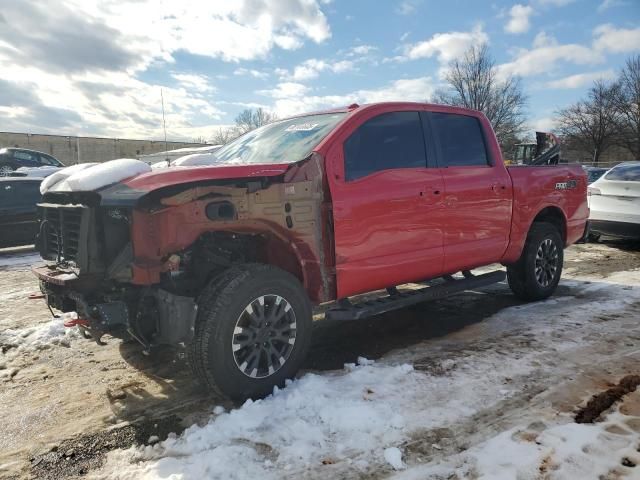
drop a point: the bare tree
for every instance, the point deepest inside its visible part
(224, 135)
(592, 124)
(249, 119)
(474, 83)
(627, 103)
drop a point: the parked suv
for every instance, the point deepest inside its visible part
(18, 211)
(12, 159)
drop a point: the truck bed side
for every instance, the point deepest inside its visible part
(546, 192)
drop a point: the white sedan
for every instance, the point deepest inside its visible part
(614, 200)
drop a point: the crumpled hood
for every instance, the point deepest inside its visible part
(165, 177)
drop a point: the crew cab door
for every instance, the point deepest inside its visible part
(387, 204)
(478, 193)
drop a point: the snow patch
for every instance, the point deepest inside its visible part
(393, 456)
(62, 175)
(87, 177)
(18, 341)
(196, 159)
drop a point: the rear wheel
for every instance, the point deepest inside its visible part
(536, 274)
(252, 333)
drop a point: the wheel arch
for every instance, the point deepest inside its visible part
(554, 216)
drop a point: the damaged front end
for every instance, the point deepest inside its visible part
(133, 260)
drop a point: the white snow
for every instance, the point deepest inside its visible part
(196, 159)
(39, 172)
(393, 457)
(61, 175)
(192, 160)
(39, 337)
(103, 174)
(567, 451)
(87, 177)
(360, 417)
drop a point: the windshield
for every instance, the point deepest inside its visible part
(625, 173)
(285, 141)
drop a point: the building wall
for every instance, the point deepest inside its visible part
(91, 149)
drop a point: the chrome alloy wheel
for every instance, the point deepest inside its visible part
(264, 336)
(547, 260)
(5, 171)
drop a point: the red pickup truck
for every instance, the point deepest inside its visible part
(229, 258)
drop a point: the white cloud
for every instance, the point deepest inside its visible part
(243, 72)
(616, 40)
(291, 98)
(519, 19)
(543, 124)
(547, 53)
(446, 46)
(555, 3)
(581, 79)
(74, 64)
(361, 50)
(286, 90)
(312, 67)
(199, 83)
(607, 4)
(408, 7)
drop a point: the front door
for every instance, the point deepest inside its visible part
(387, 205)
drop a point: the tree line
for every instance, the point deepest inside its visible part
(609, 114)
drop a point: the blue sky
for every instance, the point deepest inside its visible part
(96, 67)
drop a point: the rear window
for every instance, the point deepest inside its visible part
(624, 173)
(461, 140)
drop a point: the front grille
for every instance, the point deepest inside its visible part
(63, 233)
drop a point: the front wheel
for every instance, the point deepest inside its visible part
(536, 274)
(252, 332)
(6, 170)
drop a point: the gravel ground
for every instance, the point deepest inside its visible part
(66, 402)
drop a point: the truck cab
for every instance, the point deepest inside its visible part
(229, 259)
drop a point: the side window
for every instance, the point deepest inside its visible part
(461, 140)
(46, 160)
(23, 155)
(390, 140)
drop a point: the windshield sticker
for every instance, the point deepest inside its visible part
(301, 127)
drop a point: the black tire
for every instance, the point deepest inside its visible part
(229, 301)
(532, 278)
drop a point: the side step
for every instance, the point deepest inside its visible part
(345, 310)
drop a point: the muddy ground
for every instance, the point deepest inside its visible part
(66, 404)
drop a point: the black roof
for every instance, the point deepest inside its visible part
(26, 150)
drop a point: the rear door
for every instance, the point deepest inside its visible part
(387, 204)
(18, 212)
(478, 193)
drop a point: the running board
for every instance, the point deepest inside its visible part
(345, 310)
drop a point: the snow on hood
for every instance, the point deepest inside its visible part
(61, 175)
(192, 160)
(91, 176)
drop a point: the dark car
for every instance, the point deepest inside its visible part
(13, 158)
(594, 173)
(18, 211)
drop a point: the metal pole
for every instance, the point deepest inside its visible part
(164, 126)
